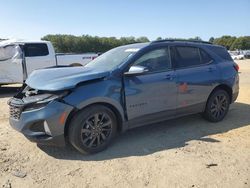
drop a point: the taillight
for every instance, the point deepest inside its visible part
(236, 67)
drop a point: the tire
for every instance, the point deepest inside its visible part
(217, 106)
(92, 129)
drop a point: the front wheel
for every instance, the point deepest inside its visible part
(92, 129)
(217, 106)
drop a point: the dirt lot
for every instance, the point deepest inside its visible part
(187, 152)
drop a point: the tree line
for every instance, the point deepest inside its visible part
(87, 43)
(232, 43)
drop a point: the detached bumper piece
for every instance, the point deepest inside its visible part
(40, 123)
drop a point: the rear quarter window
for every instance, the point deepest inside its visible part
(38, 49)
(221, 52)
(205, 58)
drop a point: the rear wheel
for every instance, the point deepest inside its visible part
(217, 106)
(92, 129)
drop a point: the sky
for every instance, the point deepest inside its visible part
(33, 19)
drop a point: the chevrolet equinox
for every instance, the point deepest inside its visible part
(126, 87)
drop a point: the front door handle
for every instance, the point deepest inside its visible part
(170, 77)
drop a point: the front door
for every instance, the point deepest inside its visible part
(153, 94)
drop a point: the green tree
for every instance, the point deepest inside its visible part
(241, 43)
(159, 38)
(225, 40)
(87, 43)
(142, 39)
(211, 39)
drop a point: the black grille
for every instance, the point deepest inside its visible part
(16, 108)
(15, 112)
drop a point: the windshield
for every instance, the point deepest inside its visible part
(113, 58)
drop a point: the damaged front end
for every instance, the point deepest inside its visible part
(40, 115)
(32, 99)
(39, 110)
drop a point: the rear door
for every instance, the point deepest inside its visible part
(37, 56)
(197, 75)
(151, 96)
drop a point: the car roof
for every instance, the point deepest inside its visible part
(196, 43)
(184, 42)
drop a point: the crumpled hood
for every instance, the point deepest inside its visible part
(54, 79)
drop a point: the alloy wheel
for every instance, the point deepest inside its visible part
(219, 106)
(96, 130)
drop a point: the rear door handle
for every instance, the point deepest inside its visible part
(210, 69)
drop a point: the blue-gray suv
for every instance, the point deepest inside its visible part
(126, 87)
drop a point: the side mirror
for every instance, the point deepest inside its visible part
(136, 70)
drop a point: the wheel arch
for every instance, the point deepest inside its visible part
(75, 65)
(119, 116)
(224, 87)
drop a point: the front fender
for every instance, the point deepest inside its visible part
(102, 91)
(103, 100)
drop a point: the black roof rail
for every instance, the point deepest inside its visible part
(180, 40)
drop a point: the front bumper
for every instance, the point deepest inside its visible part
(44, 125)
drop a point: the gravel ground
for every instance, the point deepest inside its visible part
(186, 152)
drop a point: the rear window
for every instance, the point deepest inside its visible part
(221, 52)
(33, 50)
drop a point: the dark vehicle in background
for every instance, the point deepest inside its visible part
(126, 87)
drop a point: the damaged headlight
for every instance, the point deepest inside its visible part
(40, 100)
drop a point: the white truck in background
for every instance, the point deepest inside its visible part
(19, 58)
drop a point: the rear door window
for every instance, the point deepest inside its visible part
(36, 49)
(188, 56)
(185, 56)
